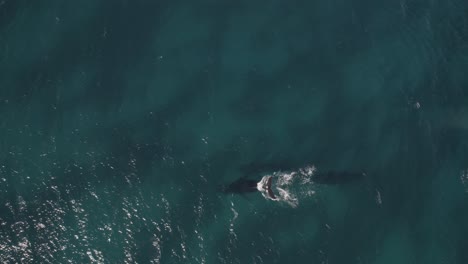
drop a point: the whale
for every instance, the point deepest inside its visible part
(245, 185)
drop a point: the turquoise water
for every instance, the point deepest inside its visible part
(120, 120)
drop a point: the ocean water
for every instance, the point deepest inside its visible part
(120, 120)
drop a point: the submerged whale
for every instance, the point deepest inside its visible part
(244, 185)
(337, 177)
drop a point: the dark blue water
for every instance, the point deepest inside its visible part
(121, 120)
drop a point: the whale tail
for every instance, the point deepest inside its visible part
(269, 191)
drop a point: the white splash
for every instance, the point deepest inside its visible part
(288, 187)
(464, 179)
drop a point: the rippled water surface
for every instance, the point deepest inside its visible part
(120, 121)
